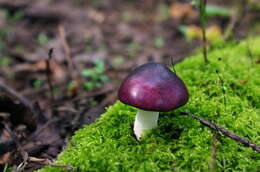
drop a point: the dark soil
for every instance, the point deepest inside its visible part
(104, 40)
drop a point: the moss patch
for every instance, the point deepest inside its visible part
(180, 143)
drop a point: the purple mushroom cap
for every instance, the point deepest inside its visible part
(153, 87)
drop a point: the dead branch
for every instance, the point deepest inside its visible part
(67, 51)
(16, 95)
(202, 6)
(48, 73)
(239, 11)
(225, 132)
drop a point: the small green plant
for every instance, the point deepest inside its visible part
(213, 10)
(38, 83)
(14, 17)
(133, 48)
(20, 49)
(213, 33)
(117, 61)
(42, 38)
(71, 85)
(126, 16)
(163, 12)
(95, 3)
(159, 42)
(95, 76)
(5, 61)
(3, 34)
(6, 169)
(201, 4)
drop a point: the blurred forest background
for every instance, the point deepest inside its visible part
(61, 61)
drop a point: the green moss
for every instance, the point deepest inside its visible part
(180, 143)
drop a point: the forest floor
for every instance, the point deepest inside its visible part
(66, 59)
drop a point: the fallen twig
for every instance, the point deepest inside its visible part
(67, 52)
(48, 73)
(223, 90)
(16, 95)
(225, 132)
(239, 11)
(48, 162)
(202, 10)
(74, 73)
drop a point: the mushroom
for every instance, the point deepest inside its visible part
(152, 88)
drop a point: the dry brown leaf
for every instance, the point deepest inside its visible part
(4, 159)
(193, 32)
(57, 71)
(213, 33)
(6, 134)
(181, 10)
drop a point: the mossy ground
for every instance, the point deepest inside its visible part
(181, 143)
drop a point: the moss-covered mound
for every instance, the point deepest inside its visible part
(229, 98)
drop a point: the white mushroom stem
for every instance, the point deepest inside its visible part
(144, 121)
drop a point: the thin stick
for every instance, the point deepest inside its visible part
(74, 73)
(204, 42)
(239, 11)
(250, 54)
(34, 109)
(225, 132)
(16, 95)
(48, 73)
(172, 63)
(66, 47)
(202, 9)
(223, 90)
